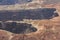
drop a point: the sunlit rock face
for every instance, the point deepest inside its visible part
(11, 2)
(34, 14)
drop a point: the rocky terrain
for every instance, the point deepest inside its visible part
(47, 29)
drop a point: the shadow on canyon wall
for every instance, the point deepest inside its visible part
(12, 2)
(18, 28)
(34, 14)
